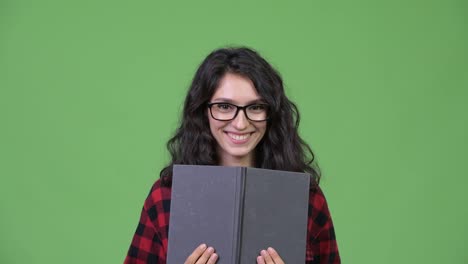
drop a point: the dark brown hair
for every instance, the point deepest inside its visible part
(281, 147)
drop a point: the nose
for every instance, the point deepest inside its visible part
(240, 122)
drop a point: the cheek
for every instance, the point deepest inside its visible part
(215, 126)
(212, 128)
(262, 129)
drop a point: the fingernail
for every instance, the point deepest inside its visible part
(210, 249)
(270, 249)
(203, 246)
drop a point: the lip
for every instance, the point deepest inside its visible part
(238, 141)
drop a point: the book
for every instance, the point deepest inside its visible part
(238, 211)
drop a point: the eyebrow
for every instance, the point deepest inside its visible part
(227, 100)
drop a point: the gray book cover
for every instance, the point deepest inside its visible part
(238, 211)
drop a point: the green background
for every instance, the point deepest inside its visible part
(92, 90)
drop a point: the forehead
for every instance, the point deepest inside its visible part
(235, 88)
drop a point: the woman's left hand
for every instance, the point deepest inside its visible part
(269, 256)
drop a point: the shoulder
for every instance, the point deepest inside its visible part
(158, 202)
(158, 194)
(316, 197)
(319, 214)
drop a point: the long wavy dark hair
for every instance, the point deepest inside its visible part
(281, 148)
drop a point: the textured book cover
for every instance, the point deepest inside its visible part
(238, 211)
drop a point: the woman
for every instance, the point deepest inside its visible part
(235, 114)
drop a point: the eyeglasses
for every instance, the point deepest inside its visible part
(227, 111)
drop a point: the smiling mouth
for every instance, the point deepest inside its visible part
(238, 137)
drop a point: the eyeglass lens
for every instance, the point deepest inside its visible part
(226, 111)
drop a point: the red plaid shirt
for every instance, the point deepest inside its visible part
(149, 244)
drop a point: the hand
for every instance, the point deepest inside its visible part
(269, 256)
(202, 255)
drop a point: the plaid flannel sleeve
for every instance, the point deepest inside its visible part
(149, 244)
(321, 242)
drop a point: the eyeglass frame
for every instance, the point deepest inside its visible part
(238, 108)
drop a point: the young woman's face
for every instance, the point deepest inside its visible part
(237, 138)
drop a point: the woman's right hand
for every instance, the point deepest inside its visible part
(202, 255)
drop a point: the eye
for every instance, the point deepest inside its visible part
(224, 107)
(257, 107)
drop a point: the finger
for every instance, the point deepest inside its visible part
(213, 259)
(275, 256)
(260, 260)
(267, 257)
(196, 254)
(205, 256)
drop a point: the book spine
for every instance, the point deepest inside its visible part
(238, 215)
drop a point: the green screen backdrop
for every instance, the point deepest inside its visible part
(90, 91)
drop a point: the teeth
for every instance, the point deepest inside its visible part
(239, 137)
